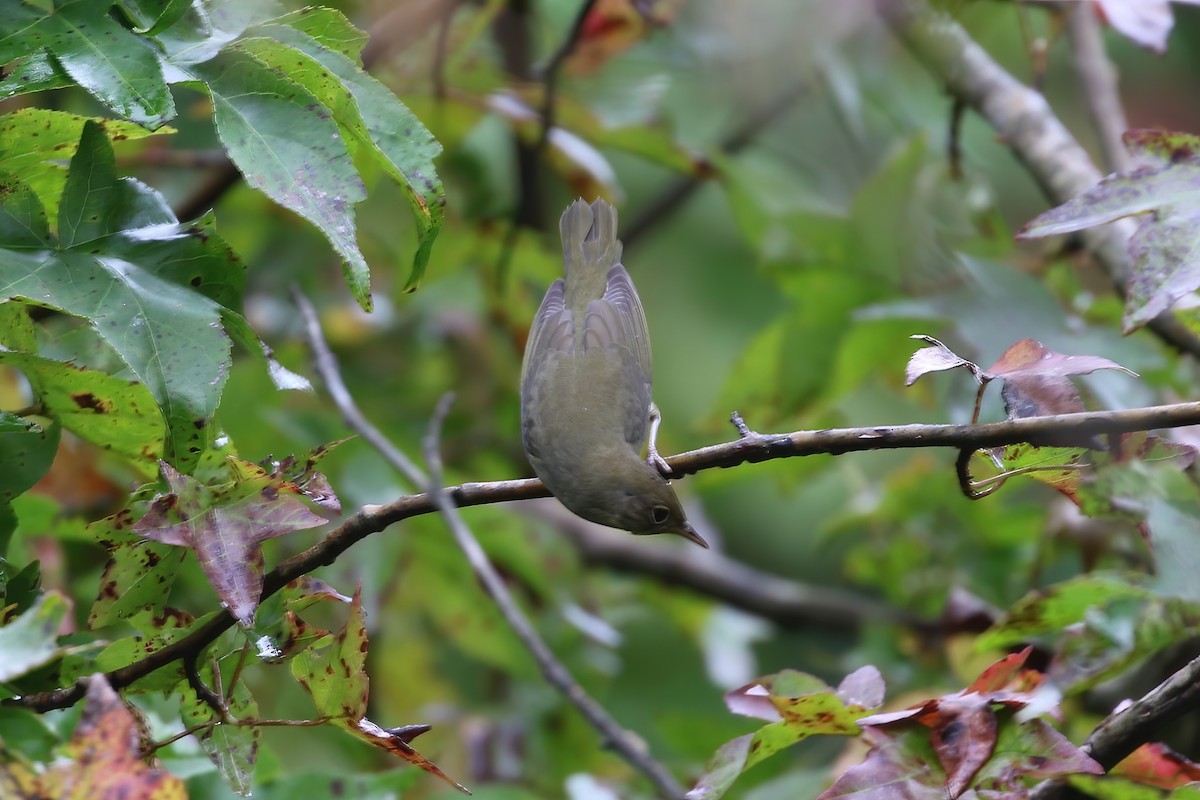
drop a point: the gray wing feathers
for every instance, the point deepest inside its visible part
(552, 329)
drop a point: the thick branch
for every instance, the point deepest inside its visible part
(1123, 732)
(1026, 123)
(752, 447)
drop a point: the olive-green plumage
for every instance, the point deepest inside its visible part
(585, 387)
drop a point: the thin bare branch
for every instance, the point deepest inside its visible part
(621, 741)
(1098, 79)
(327, 368)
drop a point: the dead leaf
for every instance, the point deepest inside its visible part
(935, 358)
(226, 527)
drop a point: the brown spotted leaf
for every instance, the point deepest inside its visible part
(964, 730)
(1162, 189)
(303, 475)
(106, 759)
(334, 673)
(797, 705)
(226, 528)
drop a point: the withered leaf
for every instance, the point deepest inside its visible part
(226, 528)
(935, 358)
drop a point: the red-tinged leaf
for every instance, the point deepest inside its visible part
(304, 476)
(613, 26)
(1158, 765)
(336, 678)
(1029, 357)
(963, 734)
(106, 759)
(891, 771)
(1000, 674)
(226, 529)
(1163, 188)
(396, 744)
(935, 358)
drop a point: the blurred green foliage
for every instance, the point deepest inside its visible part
(790, 216)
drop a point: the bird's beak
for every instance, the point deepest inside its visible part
(689, 533)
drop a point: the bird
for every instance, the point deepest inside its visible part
(586, 407)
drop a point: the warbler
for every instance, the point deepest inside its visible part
(586, 410)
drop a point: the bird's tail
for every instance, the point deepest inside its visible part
(590, 245)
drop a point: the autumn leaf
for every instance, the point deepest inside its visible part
(1162, 189)
(106, 756)
(796, 706)
(334, 674)
(226, 527)
(1156, 764)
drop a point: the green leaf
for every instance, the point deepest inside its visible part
(116, 236)
(231, 747)
(285, 144)
(27, 450)
(137, 579)
(370, 115)
(118, 67)
(35, 141)
(1051, 610)
(1162, 185)
(118, 415)
(29, 641)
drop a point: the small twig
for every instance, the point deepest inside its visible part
(210, 698)
(327, 367)
(1098, 79)
(954, 140)
(742, 428)
(552, 670)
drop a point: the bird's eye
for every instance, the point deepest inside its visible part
(660, 514)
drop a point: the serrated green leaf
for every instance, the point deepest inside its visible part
(116, 66)
(28, 641)
(285, 144)
(329, 27)
(371, 116)
(34, 142)
(115, 236)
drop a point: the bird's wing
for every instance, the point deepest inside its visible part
(617, 325)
